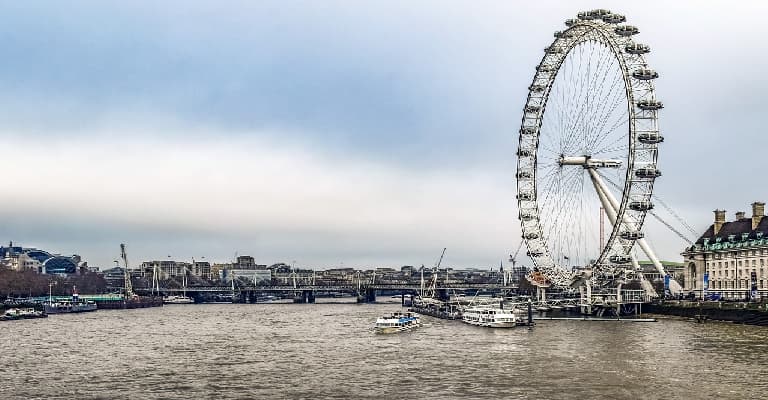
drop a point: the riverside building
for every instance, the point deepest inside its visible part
(19, 258)
(172, 269)
(733, 254)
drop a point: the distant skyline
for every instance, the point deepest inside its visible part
(365, 133)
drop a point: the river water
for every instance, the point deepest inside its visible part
(294, 351)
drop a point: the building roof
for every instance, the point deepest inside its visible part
(736, 228)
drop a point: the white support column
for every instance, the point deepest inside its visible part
(674, 287)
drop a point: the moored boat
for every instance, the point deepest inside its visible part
(491, 316)
(178, 300)
(22, 313)
(397, 322)
(69, 306)
(73, 305)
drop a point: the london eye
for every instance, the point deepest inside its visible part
(588, 148)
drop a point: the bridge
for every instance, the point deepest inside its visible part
(307, 292)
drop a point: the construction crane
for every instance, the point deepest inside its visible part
(128, 286)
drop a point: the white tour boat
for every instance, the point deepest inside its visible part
(397, 322)
(183, 299)
(491, 316)
(178, 300)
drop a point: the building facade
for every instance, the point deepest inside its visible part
(19, 258)
(172, 269)
(732, 254)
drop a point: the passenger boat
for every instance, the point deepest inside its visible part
(491, 316)
(183, 299)
(73, 305)
(397, 322)
(178, 300)
(22, 313)
(69, 306)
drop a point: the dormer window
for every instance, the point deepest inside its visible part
(706, 241)
(744, 236)
(759, 234)
(731, 238)
(718, 239)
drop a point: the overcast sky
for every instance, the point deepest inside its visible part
(331, 133)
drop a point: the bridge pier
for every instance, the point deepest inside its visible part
(304, 297)
(367, 296)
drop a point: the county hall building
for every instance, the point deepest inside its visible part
(734, 255)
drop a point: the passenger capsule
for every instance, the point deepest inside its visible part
(553, 50)
(563, 35)
(523, 153)
(571, 22)
(645, 74)
(531, 236)
(614, 19)
(527, 130)
(524, 175)
(637, 48)
(626, 30)
(649, 105)
(600, 12)
(632, 235)
(536, 88)
(525, 196)
(647, 172)
(620, 259)
(527, 216)
(586, 15)
(650, 138)
(532, 109)
(641, 205)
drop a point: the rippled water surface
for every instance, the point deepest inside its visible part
(222, 351)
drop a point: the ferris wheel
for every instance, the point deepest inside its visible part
(588, 147)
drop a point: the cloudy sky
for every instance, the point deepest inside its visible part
(331, 133)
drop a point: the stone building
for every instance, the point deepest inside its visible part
(733, 254)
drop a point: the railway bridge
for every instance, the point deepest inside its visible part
(306, 293)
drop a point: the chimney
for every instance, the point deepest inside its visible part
(719, 221)
(758, 211)
(739, 215)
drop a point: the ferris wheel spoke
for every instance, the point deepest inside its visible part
(601, 147)
(605, 114)
(561, 223)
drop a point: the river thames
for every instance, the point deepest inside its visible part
(295, 351)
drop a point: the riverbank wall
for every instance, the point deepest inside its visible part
(740, 313)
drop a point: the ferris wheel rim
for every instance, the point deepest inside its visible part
(599, 25)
